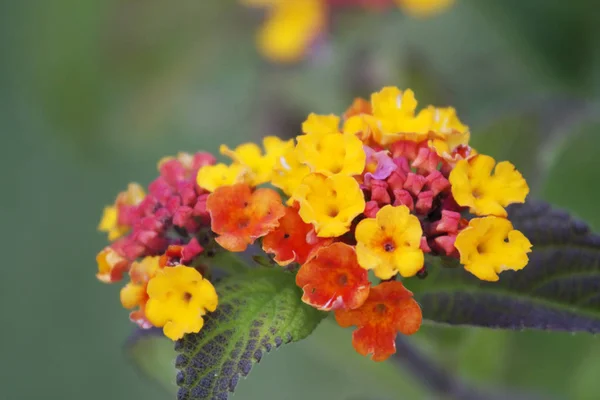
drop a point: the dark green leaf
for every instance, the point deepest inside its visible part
(257, 312)
(558, 290)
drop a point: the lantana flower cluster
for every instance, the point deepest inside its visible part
(353, 206)
(293, 26)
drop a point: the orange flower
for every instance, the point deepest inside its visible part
(111, 265)
(389, 309)
(333, 280)
(241, 216)
(293, 240)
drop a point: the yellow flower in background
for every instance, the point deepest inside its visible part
(212, 177)
(486, 193)
(260, 166)
(423, 8)
(321, 124)
(332, 154)
(490, 245)
(291, 27)
(289, 172)
(109, 222)
(178, 299)
(329, 203)
(390, 243)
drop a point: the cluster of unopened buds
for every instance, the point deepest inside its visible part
(378, 190)
(292, 27)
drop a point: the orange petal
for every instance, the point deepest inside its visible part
(241, 216)
(289, 242)
(111, 265)
(333, 280)
(375, 340)
(359, 106)
(389, 309)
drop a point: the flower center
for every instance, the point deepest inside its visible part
(482, 247)
(389, 246)
(333, 211)
(380, 308)
(243, 223)
(336, 169)
(187, 296)
(342, 280)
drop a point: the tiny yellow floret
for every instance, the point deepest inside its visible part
(212, 177)
(109, 222)
(329, 203)
(321, 124)
(290, 29)
(178, 299)
(446, 132)
(474, 185)
(111, 265)
(490, 245)
(332, 154)
(395, 113)
(390, 243)
(364, 126)
(251, 156)
(288, 172)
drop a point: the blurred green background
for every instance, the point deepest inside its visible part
(93, 93)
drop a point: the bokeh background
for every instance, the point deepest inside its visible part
(94, 92)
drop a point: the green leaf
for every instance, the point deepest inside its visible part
(558, 290)
(257, 312)
(153, 355)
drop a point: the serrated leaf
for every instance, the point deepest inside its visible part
(558, 290)
(257, 312)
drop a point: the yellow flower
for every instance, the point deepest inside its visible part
(212, 177)
(250, 155)
(109, 222)
(289, 173)
(178, 299)
(423, 8)
(490, 245)
(321, 124)
(329, 203)
(390, 243)
(134, 293)
(291, 27)
(331, 154)
(446, 132)
(395, 112)
(474, 186)
(364, 126)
